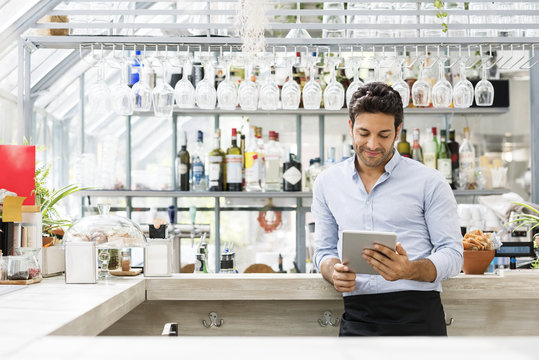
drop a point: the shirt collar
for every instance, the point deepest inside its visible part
(390, 166)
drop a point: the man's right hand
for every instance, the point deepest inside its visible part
(339, 275)
(343, 279)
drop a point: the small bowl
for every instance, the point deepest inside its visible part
(477, 261)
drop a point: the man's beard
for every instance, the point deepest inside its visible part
(370, 162)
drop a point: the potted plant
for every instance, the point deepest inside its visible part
(532, 220)
(47, 199)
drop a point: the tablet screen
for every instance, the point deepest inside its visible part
(353, 243)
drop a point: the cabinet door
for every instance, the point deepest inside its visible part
(256, 318)
(492, 317)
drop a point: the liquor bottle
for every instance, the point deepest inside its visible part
(444, 159)
(272, 164)
(216, 162)
(242, 149)
(467, 162)
(261, 156)
(233, 164)
(252, 171)
(182, 166)
(292, 174)
(312, 172)
(198, 178)
(331, 158)
(403, 146)
(454, 150)
(417, 152)
(429, 150)
(435, 138)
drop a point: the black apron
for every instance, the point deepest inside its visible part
(403, 313)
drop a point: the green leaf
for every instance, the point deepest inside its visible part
(438, 4)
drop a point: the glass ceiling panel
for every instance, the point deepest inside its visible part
(12, 10)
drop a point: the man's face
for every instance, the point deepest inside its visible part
(374, 136)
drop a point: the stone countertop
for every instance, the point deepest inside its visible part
(282, 348)
(52, 307)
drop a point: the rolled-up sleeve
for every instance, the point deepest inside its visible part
(326, 229)
(441, 217)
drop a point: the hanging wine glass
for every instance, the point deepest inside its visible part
(184, 91)
(269, 91)
(121, 98)
(291, 92)
(421, 90)
(205, 92)
(163, 93)
(484, 91)
(142, 94)
(99, 93)
(248, 91)
(356, 84)
(463, 91)
(334, 91)
(442, 91)
(400, 85)
(227, 94)
(312, 91)
(298, 32)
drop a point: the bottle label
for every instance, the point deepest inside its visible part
(272, 170)
(214, 172)
(198, 171)
(429, 160)
(467, 161)
(233, 169)
(184, 169)
(292, 175)
(444, 165)
(252, 172)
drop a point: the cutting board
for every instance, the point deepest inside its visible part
(21, 282)
(132, 272)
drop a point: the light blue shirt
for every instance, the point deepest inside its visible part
(409, 199)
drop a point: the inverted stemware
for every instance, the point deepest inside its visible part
(248, 91)
(184, 91)
(421, 90)
(442, 91)
(291, 92)
(312, 91)
(463, 91)
(163, 94)
(484, 91)
(334, 91)
(356, 83)
(227, 93)
(205, 92)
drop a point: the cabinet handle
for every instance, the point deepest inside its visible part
(327, 320)
(213, 320)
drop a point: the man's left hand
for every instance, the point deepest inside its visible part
(388, 263)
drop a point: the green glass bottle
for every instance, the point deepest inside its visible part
(216, 161)
(444, 158)
(182, 166)
(403, 146)
(233, 165)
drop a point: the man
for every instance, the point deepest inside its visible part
(379, 190)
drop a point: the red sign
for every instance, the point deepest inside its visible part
(17, 170)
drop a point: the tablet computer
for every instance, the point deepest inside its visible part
(353, 243)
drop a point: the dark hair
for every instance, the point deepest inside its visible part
(376, 97)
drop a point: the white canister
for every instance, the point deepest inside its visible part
(81, 263)
(158, 257)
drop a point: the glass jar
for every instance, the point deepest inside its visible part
(17, 268)
(31, 255)
(125, 260)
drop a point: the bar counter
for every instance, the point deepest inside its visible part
(31, 315)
